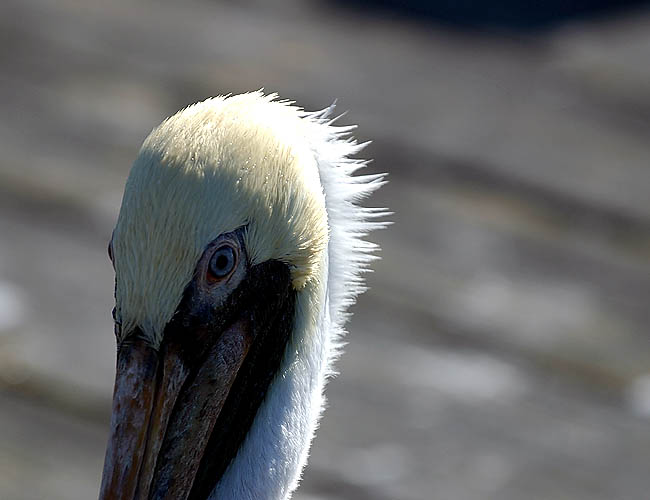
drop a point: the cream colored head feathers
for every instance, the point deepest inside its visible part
(211, 168)
(288, 177)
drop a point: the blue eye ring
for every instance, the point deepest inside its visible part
(222, 262)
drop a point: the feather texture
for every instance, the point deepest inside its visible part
(288, 175)
(270, 461)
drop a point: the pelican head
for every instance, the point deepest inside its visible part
(237, 250)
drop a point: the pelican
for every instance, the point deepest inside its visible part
(238, 248)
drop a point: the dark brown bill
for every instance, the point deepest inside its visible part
(135, 385)
(163, 415)
(174, 374)
(195, 414)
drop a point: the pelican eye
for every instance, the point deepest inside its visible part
(223, 261)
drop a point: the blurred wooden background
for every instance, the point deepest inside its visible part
(503, 350)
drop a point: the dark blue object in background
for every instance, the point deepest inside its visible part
(505, 14)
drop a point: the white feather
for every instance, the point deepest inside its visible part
(271, 459)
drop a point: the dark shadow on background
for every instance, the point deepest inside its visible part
(509, 15)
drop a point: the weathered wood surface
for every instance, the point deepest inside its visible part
(503, 349)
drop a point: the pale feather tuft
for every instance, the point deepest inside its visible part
(209, 169)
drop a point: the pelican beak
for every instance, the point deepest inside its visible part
(165, 405)
(182, 409)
